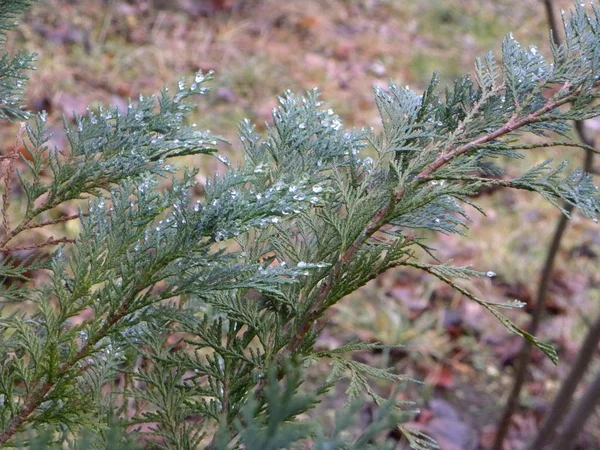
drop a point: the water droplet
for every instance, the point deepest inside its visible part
(181, 85)
(224, 159)
(316, 189)
(491, 274)
(260, 168)
(517, 304)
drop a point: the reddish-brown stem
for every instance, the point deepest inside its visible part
(53, 222)
(22, 226)
(30, 405)
(326, 288)
(50, 241)
(27, 225)
(512, 125)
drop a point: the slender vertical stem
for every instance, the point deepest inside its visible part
(562, 402)
(552, 20)
(576, 420)
(546, 272)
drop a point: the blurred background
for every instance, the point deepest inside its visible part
(104, 52)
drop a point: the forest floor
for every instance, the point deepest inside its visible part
(107, 51)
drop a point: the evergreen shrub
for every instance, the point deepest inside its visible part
(176, 323)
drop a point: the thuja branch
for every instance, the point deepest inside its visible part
(37, 397)
(120, 255)
(317, 309)
(514, 123)
(565, 95)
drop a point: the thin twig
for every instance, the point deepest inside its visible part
(53, 222)
(580, 145)
(25, 223)
(49, 241)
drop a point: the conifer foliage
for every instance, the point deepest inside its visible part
(171, 322)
